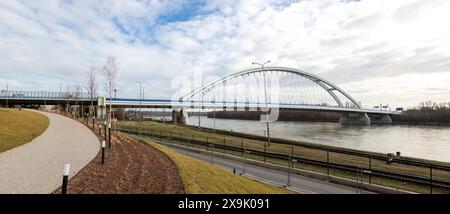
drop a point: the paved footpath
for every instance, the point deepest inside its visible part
(37, 166)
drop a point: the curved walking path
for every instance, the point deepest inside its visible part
(37, 166)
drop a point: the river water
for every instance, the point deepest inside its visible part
(428, 142)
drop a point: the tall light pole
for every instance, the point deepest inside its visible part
(265, 99)
(214, 114)
(199, 110)
(140, 107)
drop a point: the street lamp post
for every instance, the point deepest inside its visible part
(140, 107)
(200, 109)
(265, 99)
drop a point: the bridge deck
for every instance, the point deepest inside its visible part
(164, 103)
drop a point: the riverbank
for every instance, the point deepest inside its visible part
(323, 159)
(410, 117)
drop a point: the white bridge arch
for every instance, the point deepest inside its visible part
(336, 93)
(308, 91)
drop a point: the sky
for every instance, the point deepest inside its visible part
(379, 51)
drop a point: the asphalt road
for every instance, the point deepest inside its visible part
(298, 183)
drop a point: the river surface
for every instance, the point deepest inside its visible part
(428, 142)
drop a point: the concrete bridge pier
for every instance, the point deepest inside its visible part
(354, 119)
(179, 117)
(380, 119)
(174, 117)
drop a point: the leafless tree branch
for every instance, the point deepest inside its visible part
(91, 86)
(109, 70)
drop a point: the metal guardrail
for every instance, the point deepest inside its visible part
(368, 171)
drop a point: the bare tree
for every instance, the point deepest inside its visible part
(68, 96)
(110, 69)
(77, 95)
(91, 86)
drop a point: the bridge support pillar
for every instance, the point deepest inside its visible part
(179, 117)
(380, 119)
(354, 119)
(174, 117)
(184, 117)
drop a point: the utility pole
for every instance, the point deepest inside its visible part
(265, 99)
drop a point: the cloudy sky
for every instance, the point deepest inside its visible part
(390, 52)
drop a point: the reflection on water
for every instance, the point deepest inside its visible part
(429, 142)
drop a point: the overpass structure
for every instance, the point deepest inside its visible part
(264, 89)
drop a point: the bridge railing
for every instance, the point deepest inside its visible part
(45, 95)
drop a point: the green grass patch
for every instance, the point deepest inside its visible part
(200, 177)
(20, 126)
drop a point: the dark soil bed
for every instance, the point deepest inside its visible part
(131, 166)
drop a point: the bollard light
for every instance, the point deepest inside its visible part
(103, 151)
(65, 178)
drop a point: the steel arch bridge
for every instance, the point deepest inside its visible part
(248, 90)
(281, 88)
(292, 86)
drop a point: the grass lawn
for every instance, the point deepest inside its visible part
(203, 178)
(20, 126)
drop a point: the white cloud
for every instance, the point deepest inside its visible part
(380, 46)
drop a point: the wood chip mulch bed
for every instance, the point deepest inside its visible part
(131, 166)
